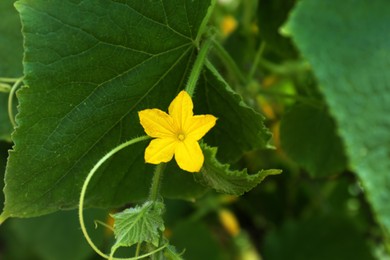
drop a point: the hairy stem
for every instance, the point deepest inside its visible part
(203, 25)
(156, 182)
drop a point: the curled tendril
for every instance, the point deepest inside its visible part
(10, 100)
(82, 197)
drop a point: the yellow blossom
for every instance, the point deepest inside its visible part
(176, 133)
(229, 221)
(228, 25)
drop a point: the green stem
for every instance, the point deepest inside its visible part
(84, 191)
(197, 68)
(228, 61)
(138, 249)
(3, 217)
(275, 68)
(9, 80)
(305, 100)
(5, 88)
(156, 182)
(10, 101)
(203, 25)
(103, 224)
(286, 68)
(255, 63)
(113, 250)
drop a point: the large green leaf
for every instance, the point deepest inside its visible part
(90, 66)
(347, 44)
(308, 136)
(11, 52)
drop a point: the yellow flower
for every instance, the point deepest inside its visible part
(176, 133)
(228, 25)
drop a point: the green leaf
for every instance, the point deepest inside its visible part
(308, 136)
(139, 224)
(239, 128)
(219, 177)
(347, 44)
(90, 66)
(11, 53)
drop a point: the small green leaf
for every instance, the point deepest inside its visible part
(308, 135)
(139, 224)
(219, 177)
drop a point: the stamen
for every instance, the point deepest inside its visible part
(181, 137)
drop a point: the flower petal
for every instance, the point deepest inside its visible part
(189, 156)
(156, 123)
(181, 109)
(160, 150)
(199, 126)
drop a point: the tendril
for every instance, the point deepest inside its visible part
(10, 101)
(84, 191)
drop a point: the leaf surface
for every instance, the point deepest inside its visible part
(139, 224)
(89, 67)
(239, 128)
(219, 177)
(347, 44)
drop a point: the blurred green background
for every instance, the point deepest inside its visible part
(315, 209)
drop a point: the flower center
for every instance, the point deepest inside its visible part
(181, 137)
